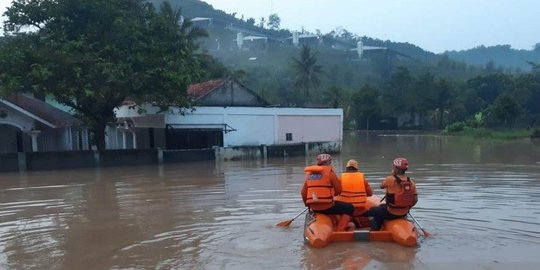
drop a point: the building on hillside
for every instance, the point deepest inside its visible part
(252, 42)
(227, 114)
(298, 39)
(202, 22)
(28, 124)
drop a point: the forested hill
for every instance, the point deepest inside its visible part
(196, 8)
(498, 56)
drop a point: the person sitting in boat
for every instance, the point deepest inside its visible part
(354, 188)
(400, 195)
(320, 186)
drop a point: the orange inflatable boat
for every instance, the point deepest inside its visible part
(320, 230)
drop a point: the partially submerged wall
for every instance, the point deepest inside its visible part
(263, 151)
(37, 161)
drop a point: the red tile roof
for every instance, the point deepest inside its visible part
(200, 90)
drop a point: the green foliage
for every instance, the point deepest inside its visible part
(497, 55)
(274, 21)
(334, 97)
(506, 108)
(308, 72)
(365, 104)
(477, 121)
(455, 127)
(93, 54)
(396, 91)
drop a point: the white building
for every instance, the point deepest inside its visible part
(28, 124)
(228, 115)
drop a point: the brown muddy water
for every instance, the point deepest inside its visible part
(479, 199)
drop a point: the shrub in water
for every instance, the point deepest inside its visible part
(455, 127)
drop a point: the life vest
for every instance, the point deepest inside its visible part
(353, 189)
(406, 198)
(320, 191)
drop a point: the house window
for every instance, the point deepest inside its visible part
(288, 136)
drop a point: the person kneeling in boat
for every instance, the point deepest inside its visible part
(320, 186)
(400, 195)
(355, 189)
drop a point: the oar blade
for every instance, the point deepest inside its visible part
(285, 223)
(426, 233)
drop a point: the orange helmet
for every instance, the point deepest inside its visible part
(323, 158)
(401, 163)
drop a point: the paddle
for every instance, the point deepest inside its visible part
(426, 233)
(286, 223)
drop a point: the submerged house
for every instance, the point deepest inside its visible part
(227, 114)
(28, 124)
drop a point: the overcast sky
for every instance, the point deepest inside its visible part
(435, 25)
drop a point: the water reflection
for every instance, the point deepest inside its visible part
(478, 197)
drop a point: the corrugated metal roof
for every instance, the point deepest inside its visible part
(43, 110)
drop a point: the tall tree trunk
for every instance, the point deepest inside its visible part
(441, 115)
(98, 135)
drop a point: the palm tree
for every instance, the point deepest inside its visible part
(307, 71)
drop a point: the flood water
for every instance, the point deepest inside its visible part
(478, 198)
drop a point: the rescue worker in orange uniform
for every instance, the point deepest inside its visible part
(320, 186)
(400, 195)
(354, 188)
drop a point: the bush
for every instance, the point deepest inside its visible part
(455, 127)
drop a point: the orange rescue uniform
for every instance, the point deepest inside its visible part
(320, 186)
(400, 197)
(354, 189)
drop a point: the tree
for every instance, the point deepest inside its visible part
(92, 55)
(307, 71)
(443, 100)
(535, 67)
(489, 87)
(274, 21)
(262, 22)
(250, 21)
(396, 91)
(421, 93)
(365, 104)
(506, 108)
(536, 48)
(334, 96)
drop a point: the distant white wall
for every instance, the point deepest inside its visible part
(309, 128)
(250, 130)
(258, 125)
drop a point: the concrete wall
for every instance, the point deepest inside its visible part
(37, 161)
(9, 162)
(255, 126)
(172, 156)
(309, 128)
(250, 130)
(129, 157)
(87, 159)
